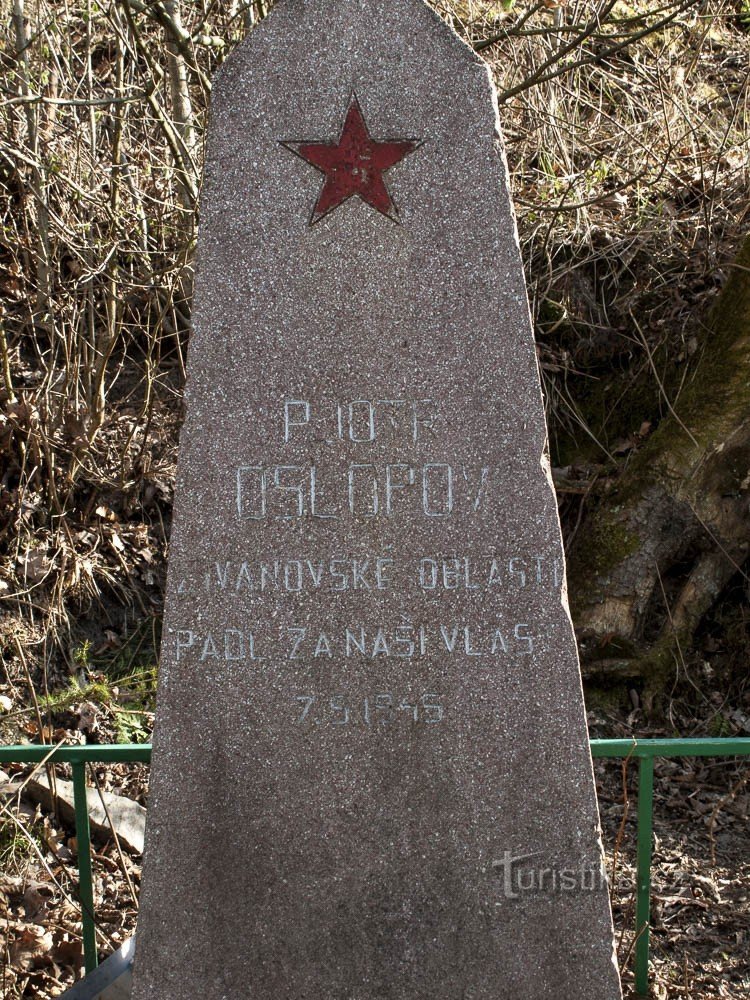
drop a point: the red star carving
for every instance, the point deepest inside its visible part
(354, 165)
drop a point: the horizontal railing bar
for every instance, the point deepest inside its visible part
(111, 753)
(690, 747)
(105, 753)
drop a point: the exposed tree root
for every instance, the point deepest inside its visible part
(658, 550)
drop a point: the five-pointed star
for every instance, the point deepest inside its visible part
(354, 165)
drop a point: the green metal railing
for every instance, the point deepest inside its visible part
(644, 750)
(78, 757)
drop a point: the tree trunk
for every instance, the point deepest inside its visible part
(656, 552)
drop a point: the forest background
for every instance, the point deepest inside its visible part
(626, 127)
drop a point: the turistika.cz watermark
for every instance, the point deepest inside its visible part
(523, 874)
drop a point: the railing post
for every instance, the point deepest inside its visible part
(643, 874)
(85, 879)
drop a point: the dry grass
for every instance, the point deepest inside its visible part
(627, 135)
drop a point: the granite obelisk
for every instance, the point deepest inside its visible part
(371, 770)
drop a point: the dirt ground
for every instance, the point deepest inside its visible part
(700, 901)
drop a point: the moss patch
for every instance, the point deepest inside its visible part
(608, 543)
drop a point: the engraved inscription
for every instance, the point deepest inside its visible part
(361, 421)
(362, 490)
(395, 468)
(430, 486)
(403, 641)
(338, 574)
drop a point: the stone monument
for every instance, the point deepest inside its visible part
(371, 774)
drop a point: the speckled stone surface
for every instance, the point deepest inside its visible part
(371, 772)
